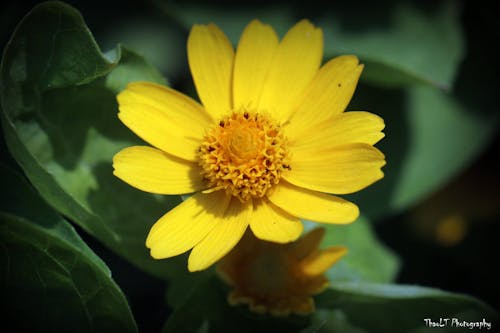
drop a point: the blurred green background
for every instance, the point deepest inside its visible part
(431, 72)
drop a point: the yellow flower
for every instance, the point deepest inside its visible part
(270, 140)
(278, 278)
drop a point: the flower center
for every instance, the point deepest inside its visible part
(245, 154)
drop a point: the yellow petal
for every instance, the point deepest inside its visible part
(163, 117)
(187, 224)
(327, 95)
(152, 170)
(173, 103)
(312, 205)
(223, 237)
(339, 170)
(252, 62)
(295, 63)
(320, 261)
(348, 127)
(273, 224)
(211, 56)
(308, 243)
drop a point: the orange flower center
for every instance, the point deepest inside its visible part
(245, 154)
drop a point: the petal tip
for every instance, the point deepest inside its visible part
(336, 252)
(120, 97)
(306, 23)
(149, 240)
(256, 22)
(354, 214)
(194, 266)
(360, 68)
(307, 27)
(154, 253)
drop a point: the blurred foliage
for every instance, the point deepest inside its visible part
(428, 80)
(402, 42)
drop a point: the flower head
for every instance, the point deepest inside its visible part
(278, 278)
(268, 143)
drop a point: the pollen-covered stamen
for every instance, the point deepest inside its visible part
(244, 154)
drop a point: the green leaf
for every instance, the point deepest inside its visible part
(60, 123)
(371, 307)
(206, 310)
(51, 281)
(431, 136)
(47, 48)
(400, 42)
(367, 258)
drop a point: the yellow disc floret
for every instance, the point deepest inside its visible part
(244, 154)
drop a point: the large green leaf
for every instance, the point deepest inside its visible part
(400, 41)
(431, 136)
(367, 258)
(58, 97)
(374, 308)
(51, 280)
